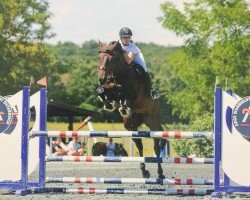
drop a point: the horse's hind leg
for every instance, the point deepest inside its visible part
(138, 143)
(159, 144)
(132, 124)
(157, 148)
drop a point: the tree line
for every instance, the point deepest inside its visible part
(217, 44)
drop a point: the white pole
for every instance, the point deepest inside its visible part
(50, 146)
(95, 140)
(131, 147)
(91, 128)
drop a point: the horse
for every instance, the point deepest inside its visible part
(121, 86)
(100, 148)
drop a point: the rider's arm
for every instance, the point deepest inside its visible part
(129, 57)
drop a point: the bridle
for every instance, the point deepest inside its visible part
(102, 67)
(108, 51)
(108, 56)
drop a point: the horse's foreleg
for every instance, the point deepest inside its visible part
(124, 110)
(159, 144)
(107, 105)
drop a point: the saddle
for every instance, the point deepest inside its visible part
(140, 72)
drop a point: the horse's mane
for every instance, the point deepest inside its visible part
(117, 65)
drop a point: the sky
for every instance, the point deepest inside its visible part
(83, 20)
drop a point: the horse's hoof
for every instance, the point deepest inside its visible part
(146, 174)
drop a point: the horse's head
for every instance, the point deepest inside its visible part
(111, 62)
(111, 71)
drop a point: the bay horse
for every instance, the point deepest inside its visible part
(121, 86)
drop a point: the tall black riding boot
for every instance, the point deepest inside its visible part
(148, 87)
(147, 83)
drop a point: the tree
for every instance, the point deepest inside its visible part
(23, 27)
(217, 45)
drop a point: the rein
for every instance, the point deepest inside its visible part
(110, 52)
(102, 67)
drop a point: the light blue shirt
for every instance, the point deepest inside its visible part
(110, 149)
(139, 59)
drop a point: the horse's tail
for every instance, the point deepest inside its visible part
(160, 116)
(164, 141)
(165, 125)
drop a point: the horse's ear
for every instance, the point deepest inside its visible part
(112, 46)
(101, 45)
(118, 43)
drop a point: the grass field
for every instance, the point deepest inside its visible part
(147, 142)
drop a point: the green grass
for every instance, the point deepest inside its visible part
(147, 142)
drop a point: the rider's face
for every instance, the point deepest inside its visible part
(125, 40)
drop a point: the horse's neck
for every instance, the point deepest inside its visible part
(128, 77)
(132, 84)
(121, 66)
(126, 73)
(122, 60)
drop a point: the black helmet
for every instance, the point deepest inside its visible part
(124, 32)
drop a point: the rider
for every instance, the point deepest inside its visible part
(134, 54)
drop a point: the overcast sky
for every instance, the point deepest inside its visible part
(82, 20)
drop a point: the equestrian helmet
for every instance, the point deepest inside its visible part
(124, 32)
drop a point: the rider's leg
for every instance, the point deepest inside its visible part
(148, 87)
(147, 82)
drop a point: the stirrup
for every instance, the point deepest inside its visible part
(154, 94)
